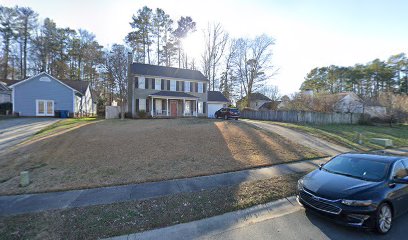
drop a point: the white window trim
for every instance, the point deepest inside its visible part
(45, 108)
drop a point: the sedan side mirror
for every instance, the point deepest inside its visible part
(400, 180)
(320, 166)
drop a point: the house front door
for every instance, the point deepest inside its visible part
(45, 108)
(173, 108)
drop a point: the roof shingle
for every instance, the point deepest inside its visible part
(216, 96)
(162, 71)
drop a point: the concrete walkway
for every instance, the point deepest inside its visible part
(16, 204)
(16, 130)
(304, 139)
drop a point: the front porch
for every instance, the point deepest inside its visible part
(171, 106)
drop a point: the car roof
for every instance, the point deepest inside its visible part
(375, 157)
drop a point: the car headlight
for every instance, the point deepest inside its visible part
(357, 203)
(300, 185)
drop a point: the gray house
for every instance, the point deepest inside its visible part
(42, 95)
(5, 93)
(166, 91)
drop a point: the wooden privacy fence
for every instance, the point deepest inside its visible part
(303, 117)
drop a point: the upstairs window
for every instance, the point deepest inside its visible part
(200, 87)
(158, 84)
(187, 86)
(173, 85)
(142, 83)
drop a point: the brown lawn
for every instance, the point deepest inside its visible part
(116, 152)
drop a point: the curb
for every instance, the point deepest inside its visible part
(208, 227)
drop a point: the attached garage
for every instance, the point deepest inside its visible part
(216, 100)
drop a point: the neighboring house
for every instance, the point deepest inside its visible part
(166, 91)
(270, 105)
(5, 93)
(216, 100)
(42, 95)
(256, 100)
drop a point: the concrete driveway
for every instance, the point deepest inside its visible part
(304, 139)
(16, 130)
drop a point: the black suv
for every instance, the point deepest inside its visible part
(227, 113)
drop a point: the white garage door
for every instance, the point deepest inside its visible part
(213, 107)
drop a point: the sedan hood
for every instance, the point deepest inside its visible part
(335, 186)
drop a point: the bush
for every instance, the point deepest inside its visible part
(4, 107)
(142, 114)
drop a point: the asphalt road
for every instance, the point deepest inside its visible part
(307, 225)
(16, 130)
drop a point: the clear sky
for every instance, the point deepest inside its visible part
(308, 33)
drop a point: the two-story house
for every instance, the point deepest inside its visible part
(166, 91)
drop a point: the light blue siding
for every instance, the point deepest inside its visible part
(26, 94)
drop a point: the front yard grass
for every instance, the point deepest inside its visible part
(129, 217)
(115, 152)
(347, 135)
(63, 125)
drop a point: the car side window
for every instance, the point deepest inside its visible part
(399, 170)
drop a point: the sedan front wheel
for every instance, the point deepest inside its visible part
(384, 218)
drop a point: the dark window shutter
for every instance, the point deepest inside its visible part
(177, 86)
(154, 105)
(147, 105)
(136, 82)
(204, 87)
(146, 83)
(191, 86)
(168, 85)
(137, 105)
(153, 83)
(182, 86)
(196, 87)
(204, 107)
(162, 84)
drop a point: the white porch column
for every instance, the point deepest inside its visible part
(151, 107)
(167, 106)
(184, 106)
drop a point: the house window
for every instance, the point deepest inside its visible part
(200, 87)
(200, 107)
(158, 84)
(173, 85)
(142, 104)
(142, 83)
(186, 86)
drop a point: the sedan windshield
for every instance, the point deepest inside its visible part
(361, 168)
(234, 110)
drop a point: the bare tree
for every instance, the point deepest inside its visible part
(116, 66)
(252, 64)
(215, 41)
(271, 91)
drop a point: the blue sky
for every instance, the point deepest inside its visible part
(308, 33)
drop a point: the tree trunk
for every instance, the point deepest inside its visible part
(25, 49)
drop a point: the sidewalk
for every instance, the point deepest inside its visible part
(26, 203)
(16, 204)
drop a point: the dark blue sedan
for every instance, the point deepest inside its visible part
(359, 190)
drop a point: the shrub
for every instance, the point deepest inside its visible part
(142, 114)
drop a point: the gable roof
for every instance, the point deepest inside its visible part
(162, 71)
(258, 96)
(216, 96)
(173, 94)
(3, 87)
(77, 85)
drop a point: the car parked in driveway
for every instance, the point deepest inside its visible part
(227, 113)
(359, 190)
